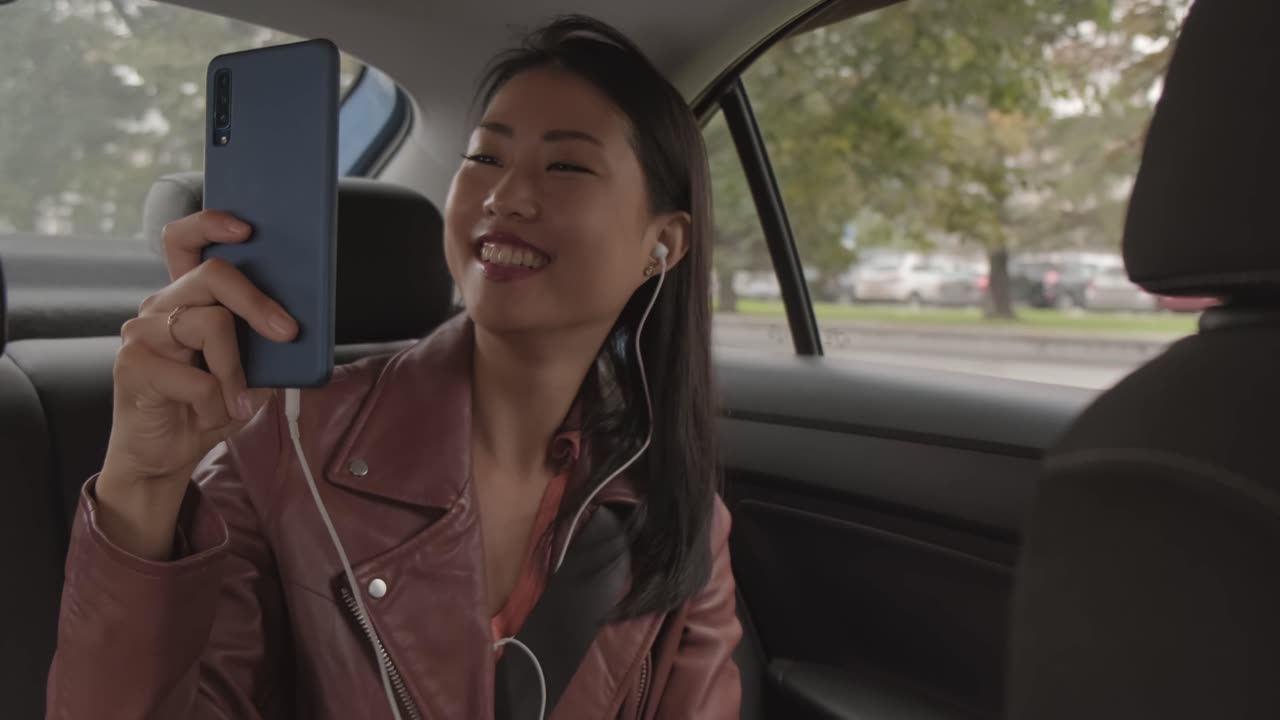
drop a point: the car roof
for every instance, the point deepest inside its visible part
(436, 50)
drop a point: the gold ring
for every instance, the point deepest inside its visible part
(173, 318)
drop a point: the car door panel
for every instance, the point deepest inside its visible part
(876, 525)
(807, 690)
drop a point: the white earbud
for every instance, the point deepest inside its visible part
(660, 251)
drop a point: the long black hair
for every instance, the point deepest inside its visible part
(678, 476)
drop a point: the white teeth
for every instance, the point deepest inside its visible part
(516, 257)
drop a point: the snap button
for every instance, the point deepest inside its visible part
(378, 587)
(358, 467)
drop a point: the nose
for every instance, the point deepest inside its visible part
(513, 196)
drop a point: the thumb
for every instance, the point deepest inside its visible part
(259, 397)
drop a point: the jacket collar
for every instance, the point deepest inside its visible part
(416, 417)
(417, 420)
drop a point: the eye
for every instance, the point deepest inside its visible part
(481, 159)
(568, 167)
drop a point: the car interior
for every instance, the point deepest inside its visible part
(907, 543)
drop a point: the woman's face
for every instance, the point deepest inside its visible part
(547, 224)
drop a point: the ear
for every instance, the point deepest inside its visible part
(674, 231)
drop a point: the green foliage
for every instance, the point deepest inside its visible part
(99, 98)
(1002, 125)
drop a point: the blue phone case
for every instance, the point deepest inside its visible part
(273, 163)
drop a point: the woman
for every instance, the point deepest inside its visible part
(458, 474)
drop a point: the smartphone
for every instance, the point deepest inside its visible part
(271, 159)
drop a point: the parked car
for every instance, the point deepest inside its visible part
(964, 285)
(847, 286)
(756, 285)
(1111, 289)
(1051, 284)
(908, 277)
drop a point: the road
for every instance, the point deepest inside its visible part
(1096, 377)
(1086, 361)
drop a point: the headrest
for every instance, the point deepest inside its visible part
(1204, 217)
(393, 283)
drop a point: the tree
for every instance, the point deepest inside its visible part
(98, 99)
(963, 123)
(1110, 81)
(739, 242)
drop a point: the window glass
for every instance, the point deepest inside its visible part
(884, 262)
(98, 99)
(1000, 136)
(744, 288)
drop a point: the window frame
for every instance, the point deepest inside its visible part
(728, 95)
(375, 116)
(774, 223)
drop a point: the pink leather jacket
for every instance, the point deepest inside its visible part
(254, 619)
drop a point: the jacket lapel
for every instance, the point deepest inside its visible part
(430, 617)
(410, 443)
(411, 440)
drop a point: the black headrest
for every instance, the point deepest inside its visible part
(1205, 218)
(393, 283)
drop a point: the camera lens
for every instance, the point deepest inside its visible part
(222, 105)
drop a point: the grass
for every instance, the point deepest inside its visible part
(1166, 323)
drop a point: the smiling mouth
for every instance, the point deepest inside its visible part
(511, 256)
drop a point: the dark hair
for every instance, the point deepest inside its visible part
(678, 476)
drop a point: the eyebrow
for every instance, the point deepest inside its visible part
(560, 135)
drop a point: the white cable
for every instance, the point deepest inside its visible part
(660, 252)
(292, 410)
(542, 680)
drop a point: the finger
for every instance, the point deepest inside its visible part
(218, 282)
(148, 330)
(260, 397)
(210, 330)
(184, 239)
(152, 379)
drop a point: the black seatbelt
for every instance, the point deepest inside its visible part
(576, 603)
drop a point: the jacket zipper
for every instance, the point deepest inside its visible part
(644, 685)
(407, 707)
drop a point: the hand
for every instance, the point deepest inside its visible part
(168, 412)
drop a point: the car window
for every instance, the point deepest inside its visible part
(941, 127)
(1115, 273)
(98, 100)
(884, 263)
(1034, 268)
(745, 293)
